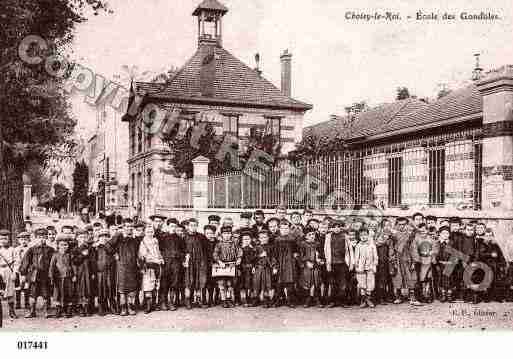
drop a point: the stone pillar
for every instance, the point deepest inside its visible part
(200, 182)
(497, 91)
(27, 200)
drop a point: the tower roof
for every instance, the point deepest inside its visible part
(213, 5)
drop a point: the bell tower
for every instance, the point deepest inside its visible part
(210, 28)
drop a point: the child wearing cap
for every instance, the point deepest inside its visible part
(339, 262)
(62, 276)
(106, 276)
(286, 254)
(365, 263)
(34, 267)
(442, 260)
(227, 253)
(246, 267)
(85, 270)
(172, 247)
(196, 265)
(19, 253)
(7, 271)
(310, 261)
(265, 265)
(210, 233)
(150, 261)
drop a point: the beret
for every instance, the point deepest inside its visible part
(67, 227)
(309, 230)
(50, 228)
(246, 215)
(209, 226)
(214, 217)
(245, 232)
(192, 220)
(4, 232)
(258, 212)
(23, 234)
(41, 232)
(172, 220)
(454, 220)
(139, 224)
(154, 216)
(226, 229)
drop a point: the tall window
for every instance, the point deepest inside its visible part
(273, 127)
(149, 184)
(139, 188)
(132, 189)
(395, 174)
(436, 162)
(231, 125)
(478, 171)
(132, 138)
(139, 139)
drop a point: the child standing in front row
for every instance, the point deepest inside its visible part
(246, 267)
(366, 262)
(263, 270)
(151, 262)
(226, 253)
(310, 262)
(62, 276)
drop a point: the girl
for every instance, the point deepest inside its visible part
(227, 254)
(150, 261)
(310, 260)
(263, 270)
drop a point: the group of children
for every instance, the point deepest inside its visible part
(164, 264)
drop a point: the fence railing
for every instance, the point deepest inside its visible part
(177, 194)
(436, 171)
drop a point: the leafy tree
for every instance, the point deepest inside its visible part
(35, 124)
(402, 93)
(80, 185)
(40, 181)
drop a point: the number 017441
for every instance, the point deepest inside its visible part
(32, 345)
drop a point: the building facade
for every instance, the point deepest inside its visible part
(454, 153)
(108, 156)
(212, 86)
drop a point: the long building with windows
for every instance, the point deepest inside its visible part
(213, 85)
(452, 153)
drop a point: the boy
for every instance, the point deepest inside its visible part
(443, 256)
(263, 270)
(150, 261)
(210, 233)
(227, 254)
(404, 269)
(172, 248)
(424, 255)
(339, 262)
(383, 287)
(310, 261)
(34, 268)
(196, 264)
(493, 257)
(286, 253)
(259, 224)
(365, 263)
(7, 271)
(62, 276)
(126, 247)
(85, 270)
(19, 253)
(106, 277)
(246, 267)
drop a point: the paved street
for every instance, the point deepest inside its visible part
(437, 316)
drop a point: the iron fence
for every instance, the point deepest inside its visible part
(435, 171)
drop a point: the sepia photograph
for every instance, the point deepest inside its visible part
(201, 166)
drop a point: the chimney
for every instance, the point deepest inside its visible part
(286, 73)
(257, 61)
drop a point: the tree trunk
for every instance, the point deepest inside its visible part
(11, 199)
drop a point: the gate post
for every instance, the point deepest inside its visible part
(200, 182)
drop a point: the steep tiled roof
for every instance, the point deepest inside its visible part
(403, 115)
(215, 75)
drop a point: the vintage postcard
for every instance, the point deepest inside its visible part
(255, 166)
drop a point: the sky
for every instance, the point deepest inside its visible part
(335, 61)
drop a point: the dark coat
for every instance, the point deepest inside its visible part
(85, 270)
(196, 272)
(172, 249)
(35, 264)
(127, 248)
(285, 247)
